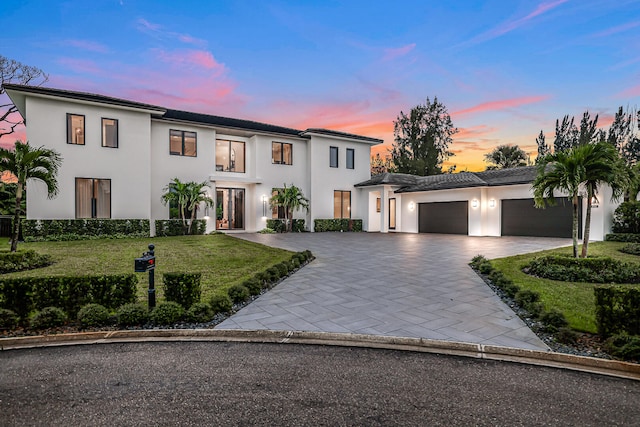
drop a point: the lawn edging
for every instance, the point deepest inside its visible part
(477, 351)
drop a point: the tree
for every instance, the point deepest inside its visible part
(290, 199)
(588, 165)
(543, 148)
(506, 156)
(380, 164)
(566, 134)
(187, 197)
(26, 162)
(422, 139)
(12, 71)
(622, 134)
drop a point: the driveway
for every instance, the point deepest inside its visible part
(405, 285)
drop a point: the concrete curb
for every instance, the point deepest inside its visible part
(478, 351)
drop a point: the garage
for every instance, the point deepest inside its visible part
(520, 217)
(443, 217)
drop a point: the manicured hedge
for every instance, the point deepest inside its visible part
(626, 218)
(70, 293)
(589, 270)
(344, 224)
(617, 310)
(279, 225)
(36, 230)
(22, 260)
(623, 237)
(175, 227)
(183, 288)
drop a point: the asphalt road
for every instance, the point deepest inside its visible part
(213, 383)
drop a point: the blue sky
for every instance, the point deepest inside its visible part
(504, 69)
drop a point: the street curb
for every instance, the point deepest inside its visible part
(478, 351)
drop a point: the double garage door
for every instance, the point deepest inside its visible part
(519, 217)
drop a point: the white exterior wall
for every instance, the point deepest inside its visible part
(127, 166)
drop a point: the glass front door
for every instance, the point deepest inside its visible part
(229, 209)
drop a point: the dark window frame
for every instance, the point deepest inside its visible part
(333, 150)
(94, 201)
(341, 205)
(182, 134)
(244, 155)
(69, 130)
(351, 164)
(102, 130)
(282, 160)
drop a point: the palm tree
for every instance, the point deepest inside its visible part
(506, 156)
(583, 166)
(186, 196)
(197, 194)
(175, 193)
(26, 162)
(291, 199)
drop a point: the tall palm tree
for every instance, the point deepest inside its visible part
(26, 162)
(187, 196)
(197, 194)
(583, 166)
(175, 193)
(291, 199)
(506, 156)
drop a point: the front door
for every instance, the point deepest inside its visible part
(229, 209)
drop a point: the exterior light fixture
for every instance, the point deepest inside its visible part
(594, 202)
(492, 203)
(474, 203)
(206, 212)
(264, 207)
(412, 206)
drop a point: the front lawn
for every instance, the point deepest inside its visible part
(575, 300)
(223, 260)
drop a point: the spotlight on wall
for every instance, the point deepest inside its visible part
(492, 203)
(264, 207)
(474, 203)
(412, 206)
(594, 202)
(206, 212)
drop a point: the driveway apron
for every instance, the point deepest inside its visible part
(405, 285)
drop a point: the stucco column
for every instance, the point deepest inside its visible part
(384, 212)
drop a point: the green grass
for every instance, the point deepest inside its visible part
(575, 300)
(223, 260)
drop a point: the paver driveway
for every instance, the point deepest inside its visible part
(406, 285)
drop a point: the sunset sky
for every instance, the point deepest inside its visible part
(504, 69)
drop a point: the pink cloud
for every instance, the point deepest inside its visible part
(501, 104)
(617, 29)
(80, 65)
(474, 132)
(199, 58)
(631, 92)
(88, 45)
(158, 31)
(393, 53)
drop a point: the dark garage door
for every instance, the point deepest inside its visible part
(443, 217)
(521, 218)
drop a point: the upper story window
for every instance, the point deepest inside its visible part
(230, 156)
(75, 129)
(110, 133)
(350, 158)
(93, 198)
(333, 157)
(183, 143)
(281, 153)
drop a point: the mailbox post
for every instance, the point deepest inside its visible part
(148, 263)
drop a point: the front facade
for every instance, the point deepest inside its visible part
(119, 156)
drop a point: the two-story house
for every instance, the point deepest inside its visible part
(120, 155)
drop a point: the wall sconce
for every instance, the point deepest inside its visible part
(474, 203)
(492, 203)
(206, 212)
(594, 202)
(412, 206)
(264, 206)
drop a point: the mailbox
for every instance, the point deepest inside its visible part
(145, 263)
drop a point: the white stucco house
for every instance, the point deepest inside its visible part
(119, 155)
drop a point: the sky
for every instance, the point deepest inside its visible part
(504, 69)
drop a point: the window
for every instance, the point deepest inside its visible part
(350, 158)
(281, 153)
(230, 156)
(333, 160)
(93, 198)
(378, 205)
(182, 143)
(277, 212)
(75, 129)
(341, 204)
(392, 214)
(110, 133)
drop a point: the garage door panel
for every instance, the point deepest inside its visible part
(520, 217)
(443, 217)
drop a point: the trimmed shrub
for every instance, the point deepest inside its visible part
(279, 225)
(566, 335)
(8, 319)
(623, 346)
(553, 320)
(626, 218)
(496, 275)
(274, 274)
(238, 293)
(22, 260)
(283, 269)
(175, 227)
(295, 262)
(132, 314)
(307, 255)
(221, 303)
(183, 288)
(263, 277)
(485, 267)
(48, 317)
(337, 224)
(622, 237)
(37, 230)
(586, 270)
(166, 313)
(510, 288)
(526, 297)
(267, 230)
(253, 285)
(617, 310)
(631, 248)
(92, 315)
(200, 312)
(477, 260)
